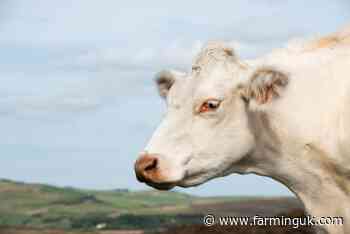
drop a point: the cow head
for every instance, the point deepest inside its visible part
(206, 131)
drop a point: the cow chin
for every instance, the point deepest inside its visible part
(187, 181)
(195, 180)
(162, 186)
(184, 184)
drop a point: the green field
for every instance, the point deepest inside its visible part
(33, 206)
(44, 206)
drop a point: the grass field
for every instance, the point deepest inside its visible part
(41, 206)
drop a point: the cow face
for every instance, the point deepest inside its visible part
(206, 129)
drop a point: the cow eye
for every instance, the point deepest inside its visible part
(210, 105)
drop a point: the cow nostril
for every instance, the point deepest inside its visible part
(146, 168)
(153, 165)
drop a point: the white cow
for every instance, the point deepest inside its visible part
(285, 116)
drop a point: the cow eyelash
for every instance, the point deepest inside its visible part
(209, 105)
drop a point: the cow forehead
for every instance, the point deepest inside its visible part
(214, 51)
(212, 83)
(213, 72)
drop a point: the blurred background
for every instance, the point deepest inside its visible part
(77, 100)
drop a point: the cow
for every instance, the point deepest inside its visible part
(285, 115)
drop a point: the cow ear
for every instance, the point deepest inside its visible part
(265, 85)
(165, 80)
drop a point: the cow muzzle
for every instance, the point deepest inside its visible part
(148, 169)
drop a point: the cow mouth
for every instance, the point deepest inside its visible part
(195, 179)
(187, 181)
(161, 186)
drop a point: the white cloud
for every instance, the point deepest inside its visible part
(176, 54)
(53, 104)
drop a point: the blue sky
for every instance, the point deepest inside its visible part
(77, 101)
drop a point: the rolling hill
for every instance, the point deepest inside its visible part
(45, 206)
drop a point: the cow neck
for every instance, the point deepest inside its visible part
(304, 168)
